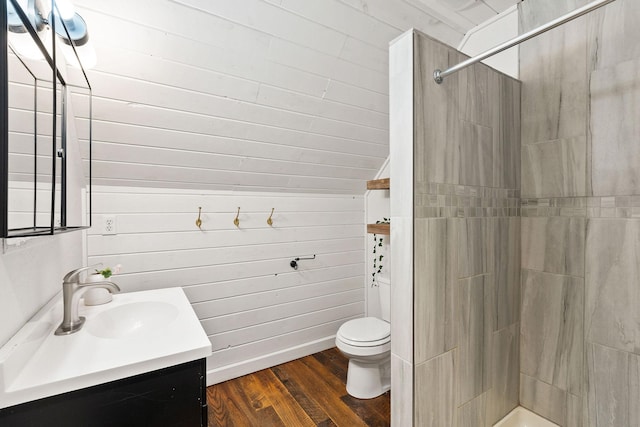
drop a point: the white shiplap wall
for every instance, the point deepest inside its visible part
(281, 98)
(262, 95)
(256, 309)
(31, 274)
(259, 95)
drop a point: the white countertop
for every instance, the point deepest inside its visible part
(35, 363)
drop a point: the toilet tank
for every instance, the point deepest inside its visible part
(384, 290)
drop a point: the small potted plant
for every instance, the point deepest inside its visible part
(97, 296)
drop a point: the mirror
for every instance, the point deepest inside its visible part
(45, 187)
(77, 157)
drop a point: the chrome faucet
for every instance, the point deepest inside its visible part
(72, 290)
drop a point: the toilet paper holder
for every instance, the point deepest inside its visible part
(294, 262)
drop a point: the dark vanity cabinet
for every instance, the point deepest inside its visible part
(170, 397)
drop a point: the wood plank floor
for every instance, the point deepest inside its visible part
(305, 392)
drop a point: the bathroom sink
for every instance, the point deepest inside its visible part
(132, 319)
(136, 333)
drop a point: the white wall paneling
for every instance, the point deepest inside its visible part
(260, 76)
(275, 96)
(255, 308)
(31, 274)
(491, 33)
(401, 213)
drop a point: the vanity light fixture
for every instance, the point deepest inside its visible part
(70, 28)
(74, 31)
(18, 34)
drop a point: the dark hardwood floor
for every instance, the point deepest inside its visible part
(305, 392)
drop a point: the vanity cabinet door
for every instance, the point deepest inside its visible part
(174, 396)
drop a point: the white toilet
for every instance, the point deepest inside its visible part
(367, 344)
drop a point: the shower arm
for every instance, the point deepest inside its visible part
(439, 75)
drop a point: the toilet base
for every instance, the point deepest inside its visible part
(366, 379)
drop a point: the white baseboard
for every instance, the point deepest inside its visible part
(224, 373)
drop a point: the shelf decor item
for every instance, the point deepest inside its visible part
(377, 257)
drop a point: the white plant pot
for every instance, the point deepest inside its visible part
(97, 296)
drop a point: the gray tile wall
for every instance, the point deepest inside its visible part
(466, 242)
(580, 331)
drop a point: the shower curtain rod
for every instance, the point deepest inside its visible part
(439, 75)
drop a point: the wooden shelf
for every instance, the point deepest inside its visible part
(378, 184)
(379, 229)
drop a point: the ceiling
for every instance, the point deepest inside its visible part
(262, 95)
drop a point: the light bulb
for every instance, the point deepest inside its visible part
(65, 9)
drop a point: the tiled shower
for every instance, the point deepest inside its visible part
(464, 224)
(580, 331)
(524, 243)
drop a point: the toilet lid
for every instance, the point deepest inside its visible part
(367, 329)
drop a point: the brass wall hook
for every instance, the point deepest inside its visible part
(269, 220)
(199, 221)
(236, 221)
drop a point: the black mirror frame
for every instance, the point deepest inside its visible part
(5, 231)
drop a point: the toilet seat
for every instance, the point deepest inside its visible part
(365, 332)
